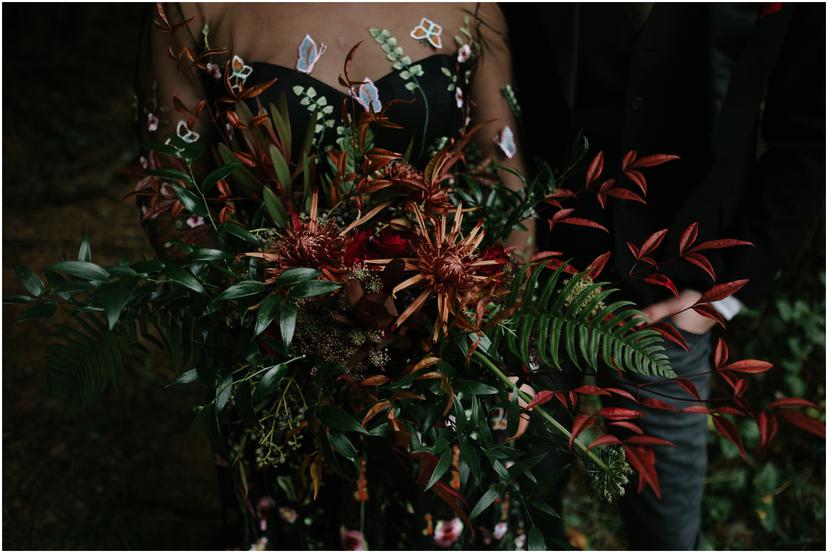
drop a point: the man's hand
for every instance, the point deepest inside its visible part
(523, 422)
(677, 309)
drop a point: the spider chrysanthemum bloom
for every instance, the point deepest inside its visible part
(308, 243)
(448, 266)
(422, 189)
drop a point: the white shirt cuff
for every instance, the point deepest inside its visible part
(728, 307)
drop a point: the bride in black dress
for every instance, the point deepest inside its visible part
(448, 63)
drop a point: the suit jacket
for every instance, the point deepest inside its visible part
(708, 82)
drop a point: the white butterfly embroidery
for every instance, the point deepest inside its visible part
(309, 54)
(430, 31)
(368, 96)
(239, 73)
(505, 140)
(185, 134)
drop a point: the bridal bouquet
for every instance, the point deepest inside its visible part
(353, 311)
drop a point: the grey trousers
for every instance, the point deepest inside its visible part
(672, 522)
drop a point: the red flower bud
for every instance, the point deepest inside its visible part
(390, 243)
(356, 252)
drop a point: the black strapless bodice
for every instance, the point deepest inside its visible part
(429, 116)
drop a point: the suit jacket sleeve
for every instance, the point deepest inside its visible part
(786, 195)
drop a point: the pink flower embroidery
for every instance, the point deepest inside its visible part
(195, 221)
(458, 97)
(500, 530)
(214, 70)
(152, 122)
(463, 54)
(447, 532)
(352, 540)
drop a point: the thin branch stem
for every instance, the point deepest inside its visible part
(494, 369)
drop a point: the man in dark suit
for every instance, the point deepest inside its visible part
(738, 92)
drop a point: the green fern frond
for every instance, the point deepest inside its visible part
(571, 316)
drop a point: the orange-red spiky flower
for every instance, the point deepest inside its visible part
(447, 266)
(306, 244)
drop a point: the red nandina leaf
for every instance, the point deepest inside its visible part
(642, 460)
(625, 194)
(731, 433)
(730, 410)
(768, 425)
(723, 290)
(606, 439)
(688, 387)
(568, 269)
(591, 390)
(628, 425)
(581, 222)
(540, 398)
(733, 382)
(638, 178)
(701, 262)
(751, 366)
(773, 427)
(707, 310)
(654, 403)
(560, 214)
(545, 254)
(597, 266)
(662, 280)
(670, 333)
(634, 250)
(573, 398)
(619, 413)
(561, 397)
(595, 168)
(647, 440)
(581, 423)
(562, 194)
(701, 409)
(602, 192)
(806, 423)
(718, 244)
(653, 242)
(649, 261)
(653, 160)
(629, 157)
(688, 237)
(790, 402)
(720, 357)
(623, 393)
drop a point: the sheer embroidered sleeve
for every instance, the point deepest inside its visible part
(171, 102)
(494, 106)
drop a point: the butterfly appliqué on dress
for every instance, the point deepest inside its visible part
(309, 54)
(505, 140)
(368, 96)
(429, 31)
(185, 134)
(238, 73)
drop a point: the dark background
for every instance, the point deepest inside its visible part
(126, 472)
(129, 472)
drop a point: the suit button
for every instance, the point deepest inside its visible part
(637, 103)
